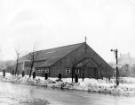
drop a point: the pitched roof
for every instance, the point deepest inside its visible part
(50, 56)
(46, 58)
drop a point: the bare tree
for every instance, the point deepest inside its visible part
(74, 64)
(33, 56)
(17, 61)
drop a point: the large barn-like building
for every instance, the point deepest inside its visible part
(77, 59)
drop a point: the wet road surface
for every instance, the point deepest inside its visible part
(14, 94)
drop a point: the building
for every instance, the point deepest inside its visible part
(78, 59)
(126, 65)
(126, 59)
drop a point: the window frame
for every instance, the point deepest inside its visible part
(68, 71)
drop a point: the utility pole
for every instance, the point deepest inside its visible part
(117, 71)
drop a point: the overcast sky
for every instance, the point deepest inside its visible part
(51, 23)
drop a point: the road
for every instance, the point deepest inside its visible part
(13, 94)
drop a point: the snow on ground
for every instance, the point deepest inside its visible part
(105, 86)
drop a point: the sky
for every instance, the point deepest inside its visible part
(50, 23)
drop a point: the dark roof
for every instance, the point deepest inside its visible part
(46, 58)
(50, 56)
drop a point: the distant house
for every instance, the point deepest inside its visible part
(127, 65)
(126, 59)
(78, 59)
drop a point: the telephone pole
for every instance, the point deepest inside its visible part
(117, 71)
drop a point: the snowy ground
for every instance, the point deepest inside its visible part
(126, 87)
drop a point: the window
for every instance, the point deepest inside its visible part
(38, 70)
(42, 70)
(46, 70)
(68, 71)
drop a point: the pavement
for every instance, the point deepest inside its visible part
(17, 94)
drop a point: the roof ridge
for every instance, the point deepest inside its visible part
(59, 47)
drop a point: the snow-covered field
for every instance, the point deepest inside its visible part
(105, 86)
